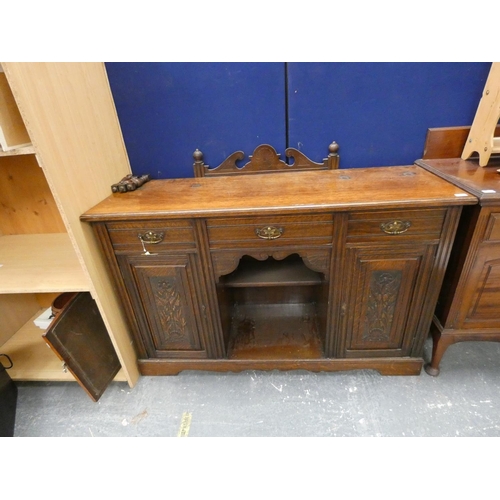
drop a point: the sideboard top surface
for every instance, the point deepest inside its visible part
(482, 182)
(290, 192)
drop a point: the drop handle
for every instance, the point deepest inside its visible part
(150, 238)
(269, 232)
(396, 226)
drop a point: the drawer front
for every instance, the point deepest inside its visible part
(492, 232)
(401, 224)
(152, 236)
(480, 300)
(260, 232)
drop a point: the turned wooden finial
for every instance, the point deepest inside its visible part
(333, 156)
(198, 166)
(198, 155)
(333, 148)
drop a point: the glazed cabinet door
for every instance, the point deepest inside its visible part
(383, 298)
(168, 304)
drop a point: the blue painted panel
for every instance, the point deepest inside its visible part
(167, 110)
(378, 113)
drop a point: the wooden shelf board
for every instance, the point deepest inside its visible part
(34, 360)
(25, 150)
(275, 331)
(32, 263)
(271, 273)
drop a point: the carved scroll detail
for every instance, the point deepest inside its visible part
(265, 159)
(226, 262)
(317, 260)
(280, 255)
(384, 288)
(301, 161)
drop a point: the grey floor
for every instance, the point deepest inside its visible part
(464, 400)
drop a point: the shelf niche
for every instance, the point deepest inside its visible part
(273, 309)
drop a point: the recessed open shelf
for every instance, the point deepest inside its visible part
(274, 331)
(287, 272)
(272, 309)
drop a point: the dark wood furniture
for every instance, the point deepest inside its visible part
(317, 270)
(77, 336)
(265, 160)
(447, 142)
(469, 278)
(468, 308)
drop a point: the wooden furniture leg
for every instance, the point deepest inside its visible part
(440, 342)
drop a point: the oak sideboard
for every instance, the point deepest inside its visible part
(316, 270)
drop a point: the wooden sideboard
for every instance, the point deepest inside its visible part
(321, 270)
(469, 304)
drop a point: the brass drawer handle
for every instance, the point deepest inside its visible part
(395, 227)
(269, 232)
(151, 237)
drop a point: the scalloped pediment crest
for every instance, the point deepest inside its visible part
(265, 159)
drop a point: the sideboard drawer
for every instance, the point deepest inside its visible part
(274, 231)
(403, 224)
(493, 228)
(157, 236)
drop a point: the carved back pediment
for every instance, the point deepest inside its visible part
(265, 159)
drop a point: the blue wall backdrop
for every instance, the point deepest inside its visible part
(378, 112)
(167, 110)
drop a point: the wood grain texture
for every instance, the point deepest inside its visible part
(15, 311)
(81, 157)
(265, 160)
(78, 336)
(481, 138)
(468, 305)
(307, 192)
(447, 142)
(384, 294)
(13, 133)
(482, 182)
(334, 252)
(27, 204)
(33, 360)
(387, 366)
(26, 150)
(40, 263)
(166, 304)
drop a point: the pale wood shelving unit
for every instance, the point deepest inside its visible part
(76, 153)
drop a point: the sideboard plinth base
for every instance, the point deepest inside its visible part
(386, 366)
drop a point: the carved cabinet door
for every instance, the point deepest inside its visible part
(167, 303)
(383, 299)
